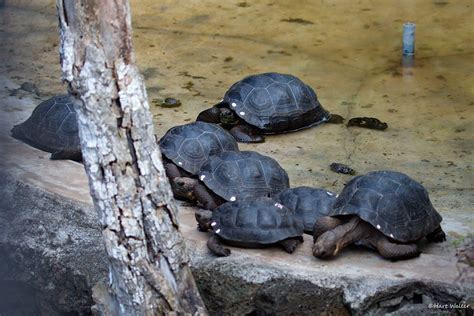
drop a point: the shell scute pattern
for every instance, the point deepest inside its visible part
(191, 145)
(255, 221)
(253, 174)
(308, 203)
(392, 202)
(243, 174)
(275, 103)
(51, 127)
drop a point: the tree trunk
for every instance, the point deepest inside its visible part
(149, 267)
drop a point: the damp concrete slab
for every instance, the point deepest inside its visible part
(194, 51)
(362, 277)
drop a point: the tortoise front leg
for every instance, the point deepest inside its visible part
(437, 235)
(205, 197)
(215, 246)
(246, 134)
(211, 115)
(290, 244)
(392, 251)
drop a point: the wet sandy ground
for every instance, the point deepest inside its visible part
(348, 51)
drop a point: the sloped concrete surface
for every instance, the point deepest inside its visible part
(49, 238)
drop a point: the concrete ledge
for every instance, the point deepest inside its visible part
(51, 244)
(50, 240)
(54, 244)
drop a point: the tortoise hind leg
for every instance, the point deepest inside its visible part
(290, 244)
(437, 235)
(67, 154)
(246, 134)
(215, 246)
(394, 251)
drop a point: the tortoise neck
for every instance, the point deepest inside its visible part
(354, 230)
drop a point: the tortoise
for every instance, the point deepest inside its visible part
(385, 210)
(251, 223)
(52, 127)
(186, 148)
(308, 203)
(234, 175)
(190, 146)
(267, 103)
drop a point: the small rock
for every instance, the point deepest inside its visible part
(336, 119)
(29, 87)
(167, 102)
(367, 122)
(341, 168)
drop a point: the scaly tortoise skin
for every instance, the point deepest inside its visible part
(245, 174)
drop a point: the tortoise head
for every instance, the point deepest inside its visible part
(324, 224)
(327, 245)
(219, 114)
(228, 117)
(203, 217)
(343, 233)
(183, 187)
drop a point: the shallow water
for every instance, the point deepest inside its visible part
(349, 52)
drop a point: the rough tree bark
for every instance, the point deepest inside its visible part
(149, 268)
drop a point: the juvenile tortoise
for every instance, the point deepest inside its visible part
(186, 148)
(52, 127)
(233, 176)
(267, 103)
(384, 210)
(251, 223)
(308, 204)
